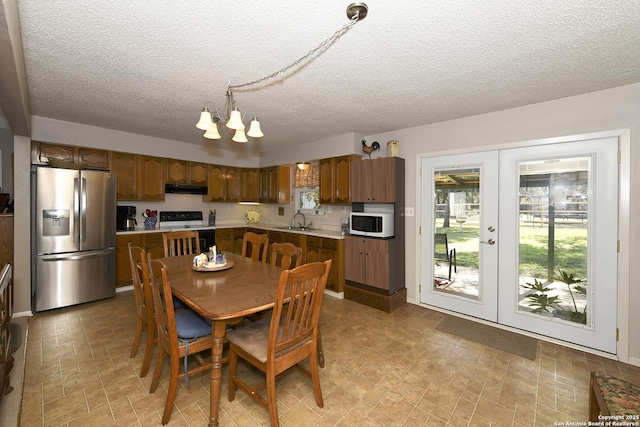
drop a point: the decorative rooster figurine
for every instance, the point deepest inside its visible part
(374, 146)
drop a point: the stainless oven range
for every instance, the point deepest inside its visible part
(179, 220)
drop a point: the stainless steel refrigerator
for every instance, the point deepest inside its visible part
(74, 236)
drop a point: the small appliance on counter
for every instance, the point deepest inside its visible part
(126, 218)
(344, 225)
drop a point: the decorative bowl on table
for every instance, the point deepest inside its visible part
(252, 216)
(213, 266)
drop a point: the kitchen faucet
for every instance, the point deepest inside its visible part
(304, 219)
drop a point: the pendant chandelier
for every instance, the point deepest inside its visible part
(231, 115)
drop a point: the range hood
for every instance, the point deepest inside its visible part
(185, 189)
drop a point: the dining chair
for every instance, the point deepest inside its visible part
(288, 337)
(144, 304)
(286, 255)
(180, 334)
(255, 246)
(183, 242)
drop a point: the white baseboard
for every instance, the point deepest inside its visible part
(339, 295)
(124, 288)
(22, 314)
(634, 361)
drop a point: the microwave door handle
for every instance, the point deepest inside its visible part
(83, 210)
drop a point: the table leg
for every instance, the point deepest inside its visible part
(218, 328)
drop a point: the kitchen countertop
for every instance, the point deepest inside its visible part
(313, 232)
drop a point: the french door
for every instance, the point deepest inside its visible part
(531, 238)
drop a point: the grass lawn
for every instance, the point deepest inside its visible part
(570, 248)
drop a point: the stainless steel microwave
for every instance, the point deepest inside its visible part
(372, 224)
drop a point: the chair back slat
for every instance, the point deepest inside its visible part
(162, 303)
(184, 242)
(255, 246)
(297, 306)
(140, 281)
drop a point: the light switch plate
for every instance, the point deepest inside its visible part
(408, 212)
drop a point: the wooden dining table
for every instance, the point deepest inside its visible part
(224, 297)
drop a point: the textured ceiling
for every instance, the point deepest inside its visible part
(149, 67)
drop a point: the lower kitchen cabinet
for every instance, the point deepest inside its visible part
(230, 239)
(150, 242)
(322, 249)
(123, 269)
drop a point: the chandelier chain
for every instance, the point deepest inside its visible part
(335, 35)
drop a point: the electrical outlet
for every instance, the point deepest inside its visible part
(408, 212)
(329, 210)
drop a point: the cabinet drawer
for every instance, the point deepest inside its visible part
(314, 241)
(330, 244)
(123, 240)
(153, 238)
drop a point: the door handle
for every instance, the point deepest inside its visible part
(489, 242)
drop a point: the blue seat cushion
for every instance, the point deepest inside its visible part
(191, 325)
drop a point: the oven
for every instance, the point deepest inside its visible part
(189, 220)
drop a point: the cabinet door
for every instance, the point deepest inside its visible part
(177, 171)
(233, 179)
(125, 166)
(250, 185)
(264, 185)
(283, 178)
(382, 178)
(152, 178)
(198, 173)
(154, 244)
(123, 269)
(224, 240)
(330, 251)
(342, 187)
(93, 158)
(51, 151)
(354, 259)
(238, 234)
(217, 184)
(326, 181)
(377, 263)
(314, 249)
(360, 182)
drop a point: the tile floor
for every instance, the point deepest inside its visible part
(382, 370)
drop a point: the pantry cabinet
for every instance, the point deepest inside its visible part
(373, 181)
(335, 188)
(367, 261)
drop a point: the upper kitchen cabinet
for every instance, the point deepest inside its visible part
(152, 172)
(185, 172)
(250, 185)
(138, 177)
(224, 184)
(91, 158)
(275, 184)
(374, 181)
(335, 180)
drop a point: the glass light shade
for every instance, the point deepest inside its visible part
(212, 132)
(205, 121)
(235, 120)
(303, 166)
(254, 129)
(239, 136)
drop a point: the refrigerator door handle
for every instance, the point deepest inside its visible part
(75, 256)
(83, 210)
(76, 210)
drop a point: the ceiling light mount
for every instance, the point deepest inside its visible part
(231, 115)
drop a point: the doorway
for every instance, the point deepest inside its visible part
(526, 238)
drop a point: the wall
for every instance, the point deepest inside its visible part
(6, 146)
(617, 108)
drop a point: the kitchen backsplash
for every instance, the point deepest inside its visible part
(233, 213)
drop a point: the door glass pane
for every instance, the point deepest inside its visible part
(456, 237)
(553, 240)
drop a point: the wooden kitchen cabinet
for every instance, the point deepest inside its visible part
(367, 261)
(125, 167)
(319, 249)
(186, 172)
(373, 181)
(92, 158)
(250, 185)
(123, 269)
(275, 184)
(224, 184)
(335, 187)
(151, 178)
(138, 177)
(154, 244)
(224, 240)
